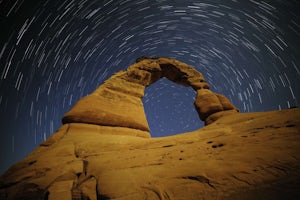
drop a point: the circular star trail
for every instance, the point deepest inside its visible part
(52, 53)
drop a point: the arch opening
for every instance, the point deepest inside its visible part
(169, 108)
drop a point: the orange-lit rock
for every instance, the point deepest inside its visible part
(93, 156)
(239, 156)
(118, 102)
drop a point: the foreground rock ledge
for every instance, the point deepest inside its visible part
(236, 156)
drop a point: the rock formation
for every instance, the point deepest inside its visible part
(104, 150)
(109, 104)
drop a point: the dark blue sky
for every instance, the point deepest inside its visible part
(52, 53)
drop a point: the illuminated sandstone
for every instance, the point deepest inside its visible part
(105, 152)
(118, 101)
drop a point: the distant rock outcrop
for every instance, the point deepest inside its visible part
(104, 149)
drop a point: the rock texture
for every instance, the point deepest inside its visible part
(94, 156)
(240, 156)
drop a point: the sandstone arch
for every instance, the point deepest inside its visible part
(118, 101)
(256, 155)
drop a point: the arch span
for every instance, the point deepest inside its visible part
(118, 101)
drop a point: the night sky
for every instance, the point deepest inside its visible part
(52, 53)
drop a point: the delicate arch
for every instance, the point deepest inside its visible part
(118, 101)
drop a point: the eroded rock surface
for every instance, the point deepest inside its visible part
(104, 149)
(239, 156)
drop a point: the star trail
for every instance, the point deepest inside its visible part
(52, 53)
